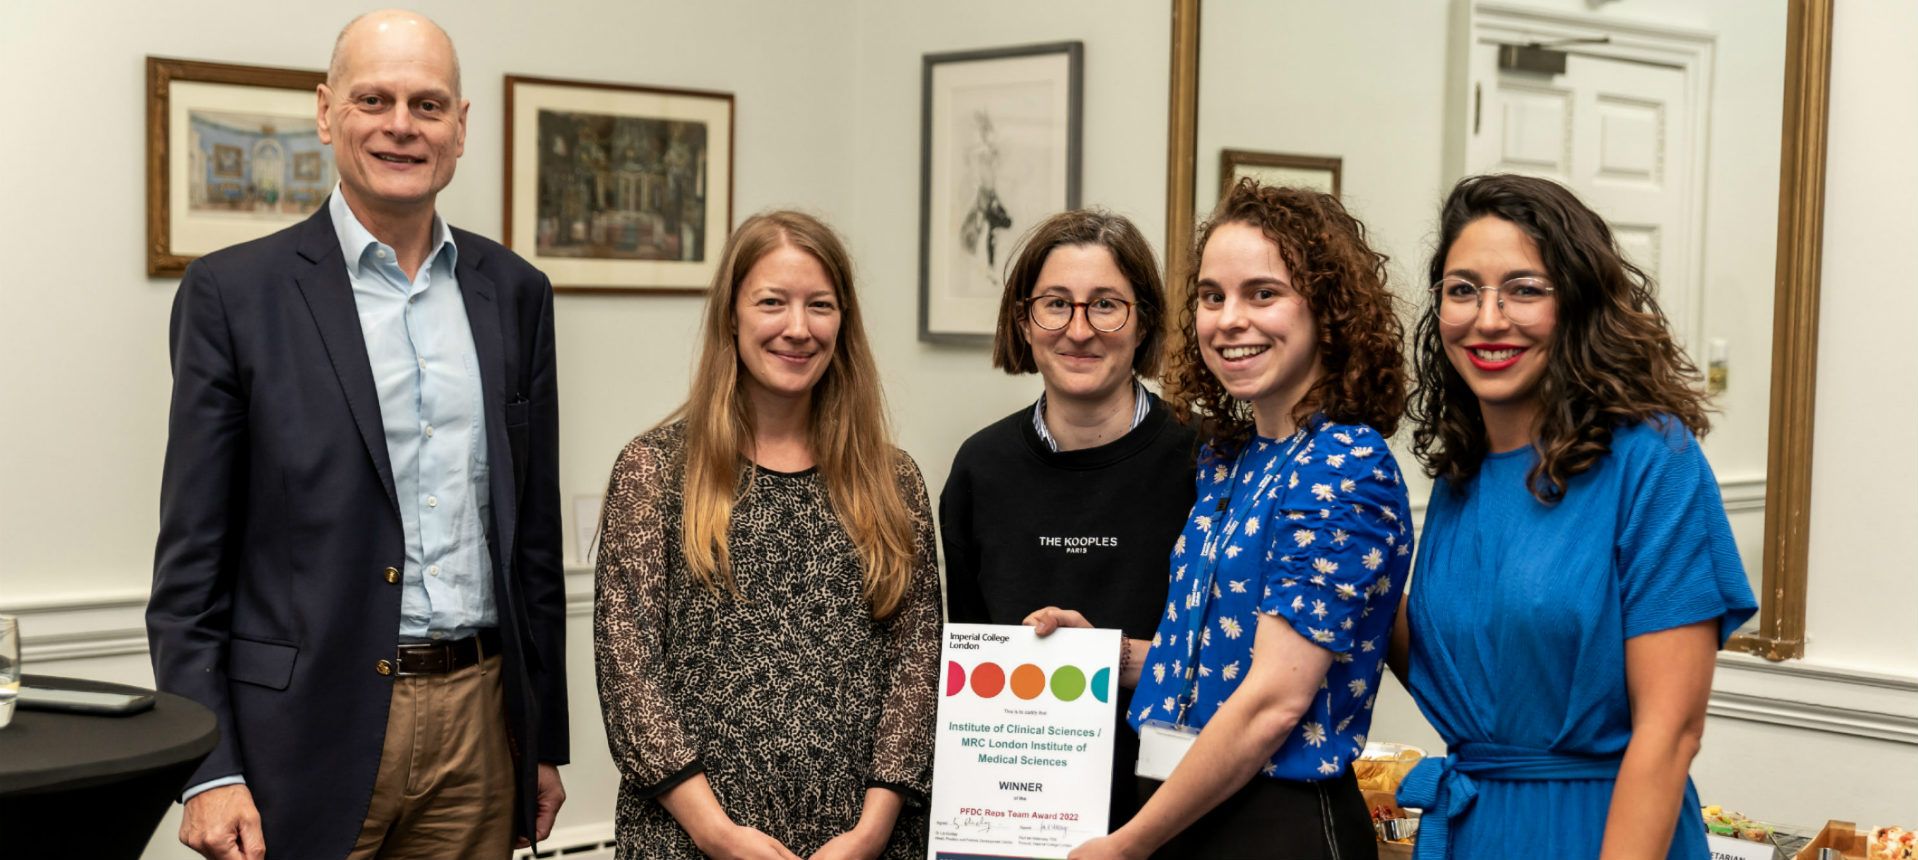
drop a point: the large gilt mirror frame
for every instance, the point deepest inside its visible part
(1801, 220)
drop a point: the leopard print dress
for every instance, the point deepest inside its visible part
(790, 698)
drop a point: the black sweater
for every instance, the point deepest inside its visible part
(1025, 527)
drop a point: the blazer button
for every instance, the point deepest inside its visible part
(392, 576)
(384, 667)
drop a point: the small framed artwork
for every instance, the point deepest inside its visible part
(618, 188)
(999, 151)
(233, 153)
(1319, 173)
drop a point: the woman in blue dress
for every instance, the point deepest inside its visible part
(1577, 574)
(1256, 691)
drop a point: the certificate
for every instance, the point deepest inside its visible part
(1022, 760)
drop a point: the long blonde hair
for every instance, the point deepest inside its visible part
(847, 429)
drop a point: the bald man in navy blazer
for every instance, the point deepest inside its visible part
(358, 566)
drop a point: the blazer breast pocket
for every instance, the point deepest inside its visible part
(266, 664)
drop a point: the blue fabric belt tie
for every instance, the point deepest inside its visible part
(1444, 788)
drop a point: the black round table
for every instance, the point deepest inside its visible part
(82, 785)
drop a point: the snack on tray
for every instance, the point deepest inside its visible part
(1723, 823)
(1391, 821)
(1382, 766)
(1892, 843)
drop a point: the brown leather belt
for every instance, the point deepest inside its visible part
(440, 658)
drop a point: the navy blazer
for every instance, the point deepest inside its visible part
(278, 520)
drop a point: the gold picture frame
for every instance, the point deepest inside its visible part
(223, 142)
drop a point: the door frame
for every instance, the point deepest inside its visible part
(1693, 52)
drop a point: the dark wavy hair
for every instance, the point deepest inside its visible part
(1011, 351)
(1612, 360)
(1342, 280)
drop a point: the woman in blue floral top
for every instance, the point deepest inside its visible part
(1256, 692)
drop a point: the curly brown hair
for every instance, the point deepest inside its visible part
(1612, 360)
(1342, 280)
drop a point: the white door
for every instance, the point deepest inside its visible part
(1617, 132)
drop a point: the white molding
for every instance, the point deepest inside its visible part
(1592, 24)
(1831, 719)
(1815, 672)
(1805, 694)
(78, 627)
(113, 624)
(579, 590)
(1802, 694)
(581, 841)
(1742, 494)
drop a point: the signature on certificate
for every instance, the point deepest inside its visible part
(973, 824)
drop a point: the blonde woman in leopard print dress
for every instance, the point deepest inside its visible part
(767, 615)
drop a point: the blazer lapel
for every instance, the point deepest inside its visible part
(482, 316)
(329, 297)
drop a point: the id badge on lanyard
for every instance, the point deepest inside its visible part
(1163, 744)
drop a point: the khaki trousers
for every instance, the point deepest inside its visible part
(445, 785)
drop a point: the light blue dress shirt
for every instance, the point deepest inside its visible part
(426, 371)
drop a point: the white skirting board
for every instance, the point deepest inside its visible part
(582, 842)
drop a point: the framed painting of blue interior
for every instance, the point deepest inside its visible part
(233, 153)
(999, 151)
(618, 188)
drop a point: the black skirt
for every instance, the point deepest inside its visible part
(1278, 819)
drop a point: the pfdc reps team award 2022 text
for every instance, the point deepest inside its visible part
(1022, 762)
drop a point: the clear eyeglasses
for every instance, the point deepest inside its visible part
(1053, 313)
(1523, 301)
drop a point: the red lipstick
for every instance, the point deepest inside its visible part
(1494, 356)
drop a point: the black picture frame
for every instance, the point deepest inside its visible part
(1038, 93)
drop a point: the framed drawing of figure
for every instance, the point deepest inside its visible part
(999, 151)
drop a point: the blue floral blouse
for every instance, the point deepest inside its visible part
(1314, 529)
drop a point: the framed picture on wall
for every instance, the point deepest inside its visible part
(999, 151)
(618, 188)
(1319, 173)
(233, 153)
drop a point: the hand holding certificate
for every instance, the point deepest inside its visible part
(1022, 759)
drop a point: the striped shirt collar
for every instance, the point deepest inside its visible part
(1141, 407)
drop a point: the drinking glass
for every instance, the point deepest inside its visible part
(9, 666)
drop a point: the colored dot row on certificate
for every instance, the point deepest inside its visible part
(1027, 681)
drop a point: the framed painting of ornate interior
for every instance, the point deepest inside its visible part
(613, 187)
(999, 150)
(232, 155)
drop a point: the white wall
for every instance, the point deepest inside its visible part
(1864, 582)
(1373, 89)
(79, 509)
(1308, 79)
(827, 120)
(942, 394)
(1352, 81)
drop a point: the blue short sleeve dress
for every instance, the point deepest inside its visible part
(1519, 612)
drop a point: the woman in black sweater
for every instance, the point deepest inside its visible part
(1077, 499)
